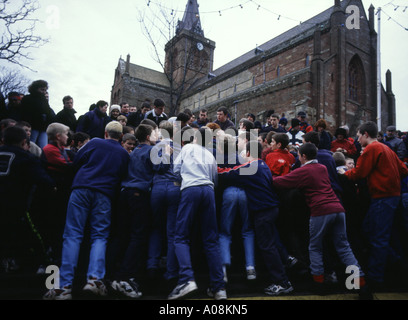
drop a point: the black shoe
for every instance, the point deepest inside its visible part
(276, 289)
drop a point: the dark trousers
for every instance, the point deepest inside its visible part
(268, 241)
(127, 251)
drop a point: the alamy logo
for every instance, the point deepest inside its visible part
(353, 280)
(52, 281)
(353, 20)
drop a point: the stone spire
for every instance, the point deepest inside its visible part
(191, 19)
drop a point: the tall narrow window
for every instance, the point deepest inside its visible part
(278, 71)
(356, 80)
(307, 62)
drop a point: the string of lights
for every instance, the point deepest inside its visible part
(276, 14)
(391, 18)
(221, 11)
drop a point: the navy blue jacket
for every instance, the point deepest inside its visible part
(141, 171)
(101, 165)
(255, 178)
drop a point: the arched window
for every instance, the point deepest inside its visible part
(307, 62)
(356, 80)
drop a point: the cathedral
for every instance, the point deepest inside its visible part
(322, 67)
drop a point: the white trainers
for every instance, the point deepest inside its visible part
(96, 287)
(65, 293)
(182, 290)
(128, 288)
(219, 295)
(251, 274)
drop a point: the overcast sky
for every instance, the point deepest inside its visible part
(88, 37)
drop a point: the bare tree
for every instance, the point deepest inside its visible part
(182, 70)
(18, 26)
(12, 80)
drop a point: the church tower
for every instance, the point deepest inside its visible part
(189, 55)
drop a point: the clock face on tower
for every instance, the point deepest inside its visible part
(200, 46)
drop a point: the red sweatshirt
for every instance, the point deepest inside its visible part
(382, 168)
(280, 162)
(344, 144)
(313, 180)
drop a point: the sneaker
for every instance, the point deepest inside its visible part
(41, 269)
(182, 290)
(96, 287)
(59, 294)
(331, 278)
(251, 274)
(276, 289)
(291, 261)
(128, 288)
(219, 295)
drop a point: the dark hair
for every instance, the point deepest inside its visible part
(149, 122)
(13, 94)
(159, 103)
(80, 137)
(343, 132)
(128, 129)
(269, 113)
(101, 103)
(258, 125)
(14, 135)
(183, 117)
(254, 148)
(250, 115)
(66, 98)
(275, 115)
(269, 136)
(142, 131)
(128, 136)
(309, 150)
(312, 137)
(146, 104)
(248, 124)
(33, 87)
(370, 127)
(23, 124)
(282, 138)
(224, 110)
(188, 112)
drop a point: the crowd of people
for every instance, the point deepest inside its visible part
(139, 185)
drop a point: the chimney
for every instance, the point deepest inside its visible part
(128, 63)
(388, 81)
(371, 17)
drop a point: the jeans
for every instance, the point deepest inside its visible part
(165, 199)
(198, 200)
(235, 201)
(335, 225)
(377, 226)
(84, 204)
(404, 200)
(268, 241)
(40, 138)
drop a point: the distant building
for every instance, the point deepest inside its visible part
(320, 67)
